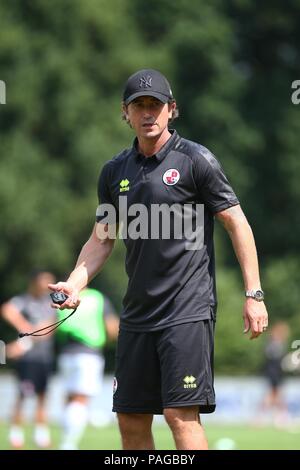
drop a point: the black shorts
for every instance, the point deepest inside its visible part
(274, 373)
(33, 376)
(170, 368)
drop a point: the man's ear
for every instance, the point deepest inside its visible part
(125, 113)
(172, 106)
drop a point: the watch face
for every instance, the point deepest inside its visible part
(259, 295)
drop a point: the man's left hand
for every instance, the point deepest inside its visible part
(255, 317)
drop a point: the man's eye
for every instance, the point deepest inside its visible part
(155, 104)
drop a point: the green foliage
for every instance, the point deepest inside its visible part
(231, 65)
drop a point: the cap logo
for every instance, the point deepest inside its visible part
(171, 177)
(146, 82)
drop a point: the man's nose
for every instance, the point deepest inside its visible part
(147, 112)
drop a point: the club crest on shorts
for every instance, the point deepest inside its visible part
(115, 385)
(171, 177)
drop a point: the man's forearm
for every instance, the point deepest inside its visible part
(90, 261)
(245, 250)
(243, 242)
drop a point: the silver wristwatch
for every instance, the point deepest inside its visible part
(258, 295)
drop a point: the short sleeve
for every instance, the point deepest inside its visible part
(106, 209)
(212, 184)
(103, 189)
(18, 302)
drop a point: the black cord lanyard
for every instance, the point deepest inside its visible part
(56, 325)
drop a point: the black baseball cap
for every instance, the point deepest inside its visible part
(147, 82)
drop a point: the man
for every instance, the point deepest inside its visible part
(34, 358)
(165, 347)
(81, 361)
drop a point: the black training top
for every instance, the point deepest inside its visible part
(169, 282)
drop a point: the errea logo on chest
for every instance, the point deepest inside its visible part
(124, 185)
(171, 177)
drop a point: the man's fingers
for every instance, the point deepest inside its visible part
(255, 333)
(52, 287)
(55, 305)
(255, 326)
(255, 319)
(71, 303)
(258, 327)
(246, 325)
(57, 287)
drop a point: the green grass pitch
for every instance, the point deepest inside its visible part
(237, 437)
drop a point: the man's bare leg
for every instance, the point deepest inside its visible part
(136, 431)
(186, 428)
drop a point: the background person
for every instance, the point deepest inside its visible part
(275, 352)
(33, 357)
(81, 361)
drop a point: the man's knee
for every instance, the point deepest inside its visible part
(179, 418)
(133, 423)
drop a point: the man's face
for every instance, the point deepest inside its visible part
(148, 116)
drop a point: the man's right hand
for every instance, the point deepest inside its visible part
(68, 289)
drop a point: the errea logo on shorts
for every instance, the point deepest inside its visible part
(171, 177)
(189, 382)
